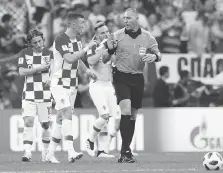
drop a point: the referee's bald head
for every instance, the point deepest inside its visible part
(131, 19)
(132, 11)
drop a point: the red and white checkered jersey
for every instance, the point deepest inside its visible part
(65, 74)
(34, 86)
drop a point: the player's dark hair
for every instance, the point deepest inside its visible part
(183, 74)
(6, 18)
(74, 16)
(163, 70)
(98, 25)
(33, 33)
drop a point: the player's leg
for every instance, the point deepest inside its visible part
(63, 106)
(44, 113)
(72, 154)
(28, 113)
(100, 103)
(55, 140)
(115, 117)
(113, 127)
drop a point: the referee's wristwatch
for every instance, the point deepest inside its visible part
(158, 58)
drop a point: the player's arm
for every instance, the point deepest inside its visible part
(62, 48)
(30, 71)
(95, 55)
(82, 67)
(25, 69)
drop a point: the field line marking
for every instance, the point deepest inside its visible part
(109, 171)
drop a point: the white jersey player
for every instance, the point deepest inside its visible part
(34, 63)
(102, 92)
(67, 50)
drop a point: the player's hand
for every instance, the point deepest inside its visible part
(91, 75)
(91, 44)
(111, 42)
(149, 58)
(42, 68)
(45, 67)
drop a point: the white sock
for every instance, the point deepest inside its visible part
(67, 134)
(46, 134)
(56, 138)
(28, 139)
(108, 143)
(99, 123)
(112, 127)
(112, 131)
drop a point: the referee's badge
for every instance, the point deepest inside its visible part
(142, 51)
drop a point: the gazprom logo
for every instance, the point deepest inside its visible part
(200, 140)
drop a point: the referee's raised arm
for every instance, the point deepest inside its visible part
(133, 47)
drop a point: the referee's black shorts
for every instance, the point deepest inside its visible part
(129, 86)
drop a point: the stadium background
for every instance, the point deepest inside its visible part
(195, 128)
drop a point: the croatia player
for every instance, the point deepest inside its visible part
(67, 50)
(102, 91)
(34, 64)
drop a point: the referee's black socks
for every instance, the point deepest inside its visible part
(125, 130)
(132, 130)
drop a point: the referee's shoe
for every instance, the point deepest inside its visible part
(126, 157)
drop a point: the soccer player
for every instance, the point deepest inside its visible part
(133, 47)
(34, 63)
(68, 51)
(102, 91)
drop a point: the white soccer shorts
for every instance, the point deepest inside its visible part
(104, 98)
(42, 109)
(63, 97)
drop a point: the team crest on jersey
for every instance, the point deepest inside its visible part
(45, 59)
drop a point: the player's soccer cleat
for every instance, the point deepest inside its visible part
(73, 156)
(126, 158)
(104, 154)
(44, 154)
(27, 157)
(51, 158)
(90, 148)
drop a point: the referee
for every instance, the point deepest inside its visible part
(133, 47)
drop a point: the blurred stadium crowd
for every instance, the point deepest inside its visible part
(180, 26)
